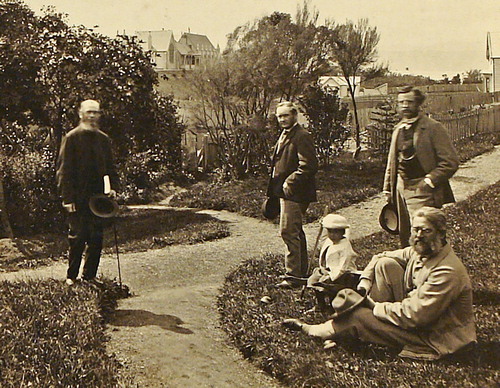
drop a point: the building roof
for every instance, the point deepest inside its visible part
(183, 49)
(338, 80)
(197, 41)
(156, 40)
(492, 45)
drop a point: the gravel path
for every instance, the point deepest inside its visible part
(167, 335)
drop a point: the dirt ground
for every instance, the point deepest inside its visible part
(168, 335)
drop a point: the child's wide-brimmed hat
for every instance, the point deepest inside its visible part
(345, 301)
(334, 221)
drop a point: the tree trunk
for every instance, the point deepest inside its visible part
(352, 89)
(5, 229)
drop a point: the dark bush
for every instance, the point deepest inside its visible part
(30, 190)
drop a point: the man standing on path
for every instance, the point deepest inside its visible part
(294, 165)
(84, 168)
(420, 297)
(420, 163)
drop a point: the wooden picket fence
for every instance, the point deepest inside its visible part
(460, 125)
(467, 124)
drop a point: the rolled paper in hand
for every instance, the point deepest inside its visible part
(107, 184)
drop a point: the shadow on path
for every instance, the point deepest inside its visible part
(138, 318)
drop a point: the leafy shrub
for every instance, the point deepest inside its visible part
(30, 190)
(53, 336)
(297, 361)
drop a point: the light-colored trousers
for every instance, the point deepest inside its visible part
(293, 235)
(388, 286)
(409, 199)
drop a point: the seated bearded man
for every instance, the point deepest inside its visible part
(419, 297)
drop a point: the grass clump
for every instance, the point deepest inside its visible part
(52, 335)
(298, 361)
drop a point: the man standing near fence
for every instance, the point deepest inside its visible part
(420, 163)
(294, 165)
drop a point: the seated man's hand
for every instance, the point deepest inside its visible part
(111, 194)
(364, 286)
(387, 195)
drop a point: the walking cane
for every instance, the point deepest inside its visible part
(117, 255)
(315, 250)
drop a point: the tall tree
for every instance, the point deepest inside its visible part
(352, 46)
(273, 58)
(46, 69)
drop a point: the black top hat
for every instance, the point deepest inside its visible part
(388, 218)
(271, 208)
(103, 206)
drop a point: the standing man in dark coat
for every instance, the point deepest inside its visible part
(84, 168)
(294, 165)
(421, 160)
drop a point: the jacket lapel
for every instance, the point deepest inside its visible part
(288, 139)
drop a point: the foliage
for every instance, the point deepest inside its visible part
(382, 121)
(297, 361)
(473, 76)
(268, 60)
(30, 188)
(344, 182)
(48, 67)
(352, 46)
(327, 118)
(396, 79)
(53, 336)
(373, 72)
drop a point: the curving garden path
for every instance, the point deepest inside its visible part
(167, 335)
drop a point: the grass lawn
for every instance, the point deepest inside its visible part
(298, 361)
(137, 230)
(52, 335)
(344, 183)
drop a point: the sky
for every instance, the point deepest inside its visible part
(426, 37)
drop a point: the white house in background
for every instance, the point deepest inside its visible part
(189, 52)
(492, 78)
(162, 44)
(338, 82)
(381, 90)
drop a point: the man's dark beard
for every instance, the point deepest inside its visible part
(426, 247)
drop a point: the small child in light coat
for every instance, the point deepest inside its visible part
(337, 262)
